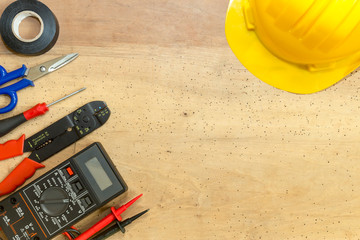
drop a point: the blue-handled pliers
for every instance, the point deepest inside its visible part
(30, 75)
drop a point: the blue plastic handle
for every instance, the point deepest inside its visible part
(11, 92)
(12, 89)
(7, 77)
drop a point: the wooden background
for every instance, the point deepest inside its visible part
(217, 153)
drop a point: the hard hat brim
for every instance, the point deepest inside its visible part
(275, 71)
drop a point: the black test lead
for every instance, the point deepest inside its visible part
(9, 124)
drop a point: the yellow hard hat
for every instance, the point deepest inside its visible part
(301, 46)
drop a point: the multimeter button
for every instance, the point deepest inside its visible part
(87, 200)
(70, 171)
(77, 187)
(83, 202)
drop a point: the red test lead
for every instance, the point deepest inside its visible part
(9, 124)
(115, 215)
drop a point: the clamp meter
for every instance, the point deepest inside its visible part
(62, 196)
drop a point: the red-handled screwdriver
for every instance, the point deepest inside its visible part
(9, 124)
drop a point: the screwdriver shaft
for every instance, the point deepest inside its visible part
(71, 94)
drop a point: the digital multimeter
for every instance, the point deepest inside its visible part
(62, 196)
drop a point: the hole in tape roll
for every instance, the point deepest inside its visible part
(27, 26)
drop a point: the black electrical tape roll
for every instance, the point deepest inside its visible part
(11, 19)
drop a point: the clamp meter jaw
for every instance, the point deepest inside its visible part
(62, 196)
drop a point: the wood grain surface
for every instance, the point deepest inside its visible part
(217, 153)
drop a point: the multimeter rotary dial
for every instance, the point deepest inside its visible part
(54, 201)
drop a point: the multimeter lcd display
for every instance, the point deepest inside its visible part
(99, 174)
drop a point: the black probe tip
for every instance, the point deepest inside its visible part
(133, 218)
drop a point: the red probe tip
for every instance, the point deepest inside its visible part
(132, 201)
